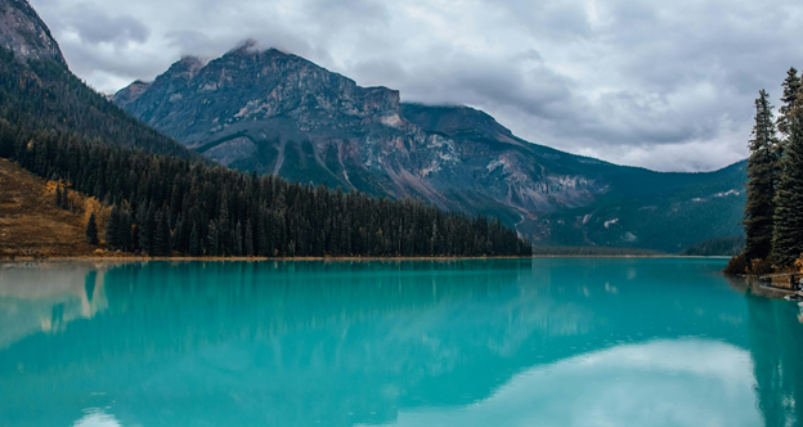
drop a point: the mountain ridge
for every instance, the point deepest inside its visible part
(277, 113)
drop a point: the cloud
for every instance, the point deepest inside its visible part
(666, 85)
(659, 383)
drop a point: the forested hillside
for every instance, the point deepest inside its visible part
(44, 94)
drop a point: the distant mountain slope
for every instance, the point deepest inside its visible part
(684, 209)
(24, 33)
(273, 112)
(37, 90)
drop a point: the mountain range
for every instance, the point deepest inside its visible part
(273, 112)
(277, 113)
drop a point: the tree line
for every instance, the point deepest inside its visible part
(773, 220)
(163, 204)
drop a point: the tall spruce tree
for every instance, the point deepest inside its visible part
(113, 229)
(791, 87)
(787, 238)
(92, 230)
(161, 233)
(761, 173)
(195, 240)
(249, 239)
(213, 239)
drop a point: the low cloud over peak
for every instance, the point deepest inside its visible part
(665, 85)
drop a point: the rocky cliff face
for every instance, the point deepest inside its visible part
(23, 32)
(274, 112)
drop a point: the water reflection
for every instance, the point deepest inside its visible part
(660, 383)
(510, 342)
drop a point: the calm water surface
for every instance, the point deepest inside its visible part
(545, 342)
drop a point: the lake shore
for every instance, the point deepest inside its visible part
(135, 258)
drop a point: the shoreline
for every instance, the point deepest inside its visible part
(285, 259)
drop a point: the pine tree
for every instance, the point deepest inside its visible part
(113, 232)
(124, 235)
(787, 239)
(223, 226)
(58, 195)
(92, 230)
(237, 241)
(212, 239)
(263, 238)
(791, 87)
(249, 239)
(195, 240)
(161, 234)
(760, 207)
(145, 222)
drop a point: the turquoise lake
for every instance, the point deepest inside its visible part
(541, 342)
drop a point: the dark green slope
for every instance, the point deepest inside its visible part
(692, 209)
(44, 94)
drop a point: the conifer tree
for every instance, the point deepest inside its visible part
(237, 241)
(113, 232)
(222, 224)
(791, 87)
(195, 240)
(124, 235)
(263, 240)
(249, 239)
(760, 208)
(92, 230)
(212, 239)
(787, 239)
(58, 195)
(161, 234)
(145, 221)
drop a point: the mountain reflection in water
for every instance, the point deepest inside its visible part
(648, 342)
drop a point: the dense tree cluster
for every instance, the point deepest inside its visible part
(787, 236)
(762, 173)
(163, 204)
(774, 208)
(167, 199)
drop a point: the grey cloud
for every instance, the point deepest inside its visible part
(103, 29)
(94, 26)
(656, 84)
(558, 20)
(340, 12)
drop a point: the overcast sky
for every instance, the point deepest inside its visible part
(667, 85)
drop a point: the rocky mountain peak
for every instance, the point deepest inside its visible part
(248, 84)
(186, 68)
(130, 94)
(24, 33)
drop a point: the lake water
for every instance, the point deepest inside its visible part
(544, 342)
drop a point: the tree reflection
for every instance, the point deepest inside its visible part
(776, 343)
